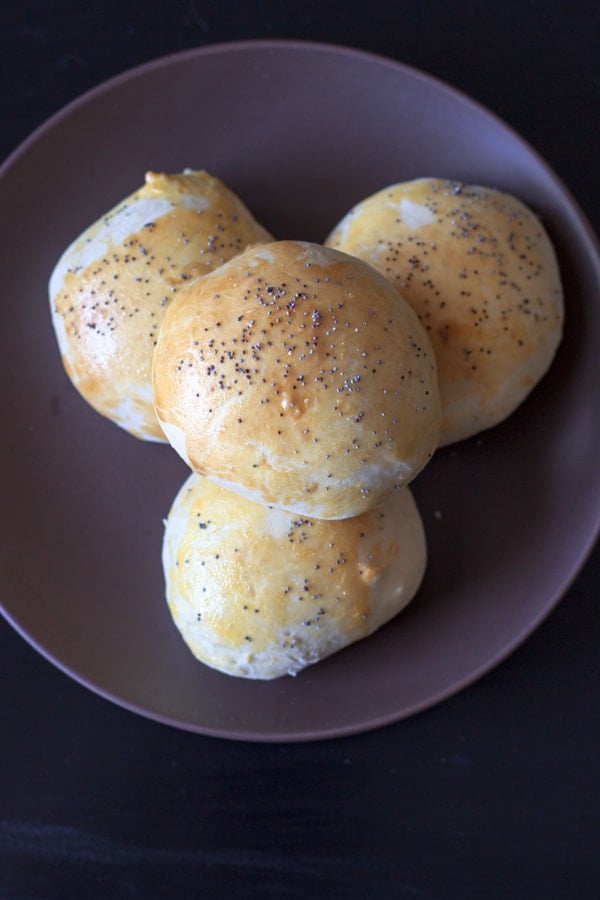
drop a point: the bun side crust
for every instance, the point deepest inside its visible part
(480, 271)
(111, 287)
(298, 376)
(260, 593)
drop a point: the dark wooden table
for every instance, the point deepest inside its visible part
(492, 794)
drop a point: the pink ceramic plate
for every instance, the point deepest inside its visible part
(301, 132)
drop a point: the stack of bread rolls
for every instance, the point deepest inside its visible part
(305, 386)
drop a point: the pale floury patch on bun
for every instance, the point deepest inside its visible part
(298, 376)
(480, 271)
(110, 289)
(259, 592)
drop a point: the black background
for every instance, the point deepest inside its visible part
(492, 794)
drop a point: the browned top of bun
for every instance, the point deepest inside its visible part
(261, 592)
(110, 289)
(299, 376)
(480, 271)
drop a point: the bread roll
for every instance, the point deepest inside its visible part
(298, 376)
(259, 592)
(110, 289)
(480, 271)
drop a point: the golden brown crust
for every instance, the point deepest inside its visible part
(111, 288)
(480, 271)
(299, 376)
(259, 592)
